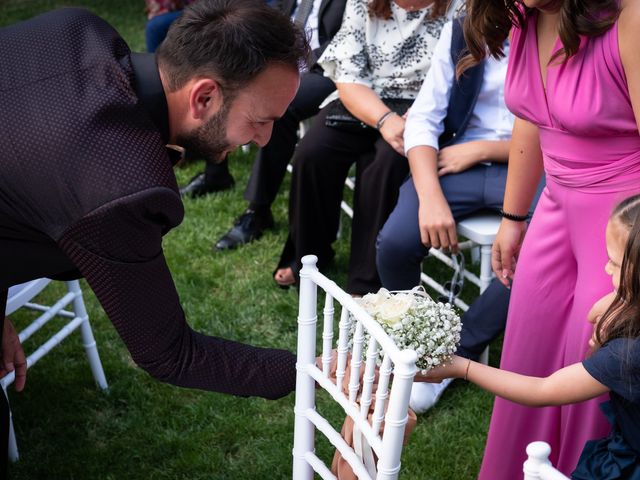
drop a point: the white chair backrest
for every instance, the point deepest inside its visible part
(537, 466)
(391, 406)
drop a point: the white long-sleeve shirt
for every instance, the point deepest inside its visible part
(490, 120)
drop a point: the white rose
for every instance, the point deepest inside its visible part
(372, 302)
(395, 308)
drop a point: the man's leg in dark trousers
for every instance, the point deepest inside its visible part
(271, 161)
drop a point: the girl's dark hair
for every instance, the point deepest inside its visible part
(622, 318)
(231, 41)
(488, 23)
(382, 8)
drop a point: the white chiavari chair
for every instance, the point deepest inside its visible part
(390, 404)
(21, 296)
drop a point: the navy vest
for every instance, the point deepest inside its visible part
(464, 92)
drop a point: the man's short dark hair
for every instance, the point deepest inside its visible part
(231, 41)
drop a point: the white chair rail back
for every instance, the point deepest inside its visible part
(395, 401)
(537, 466)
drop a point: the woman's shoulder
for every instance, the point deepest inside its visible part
(629, 19)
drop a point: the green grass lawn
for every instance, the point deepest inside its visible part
(67, 429)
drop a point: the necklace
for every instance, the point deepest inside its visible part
(410, 7)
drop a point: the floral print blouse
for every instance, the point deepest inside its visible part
(389, 56)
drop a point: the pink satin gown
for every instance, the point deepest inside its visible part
(591, 151)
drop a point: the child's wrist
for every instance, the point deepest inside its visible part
(466, 371)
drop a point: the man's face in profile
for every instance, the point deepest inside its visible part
(247, 117)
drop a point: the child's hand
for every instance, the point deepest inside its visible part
(596, 312)
(454, 369)
(600, 307)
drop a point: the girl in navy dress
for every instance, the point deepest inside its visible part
(613, 366)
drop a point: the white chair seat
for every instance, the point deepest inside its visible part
(480, 228)
(20, 294)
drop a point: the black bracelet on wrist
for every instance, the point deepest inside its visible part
(383, 119)
(513, 217)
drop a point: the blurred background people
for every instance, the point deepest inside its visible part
(321, 19)
(378, 60)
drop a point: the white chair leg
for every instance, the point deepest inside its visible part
(475, 254)
(13, 444)
(88, 340)
(12, 451)
(303, 437)
(485, 267)
(485, 280)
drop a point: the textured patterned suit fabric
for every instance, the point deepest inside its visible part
(86, 185)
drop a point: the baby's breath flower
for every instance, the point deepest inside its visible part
(414, 321)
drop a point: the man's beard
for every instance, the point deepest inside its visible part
(208, 141)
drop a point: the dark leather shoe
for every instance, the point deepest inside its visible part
(248, 227)
(198, 186)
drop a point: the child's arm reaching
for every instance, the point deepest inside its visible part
(568, 385)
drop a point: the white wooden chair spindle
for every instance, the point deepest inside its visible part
(382, 393)
(343, 344)
(327, 334)
(369, 377)
(387, 446)
(356, 362)
(537, 466)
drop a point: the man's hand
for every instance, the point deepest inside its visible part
(13, 357)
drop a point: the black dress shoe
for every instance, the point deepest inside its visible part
(199, 186)
(248, 227)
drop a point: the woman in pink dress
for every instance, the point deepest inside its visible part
(574, 84)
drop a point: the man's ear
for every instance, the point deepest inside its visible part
(205, 98)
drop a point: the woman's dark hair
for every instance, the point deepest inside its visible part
(231, 41)
(488, 23)
(382, 8)
(622, 318)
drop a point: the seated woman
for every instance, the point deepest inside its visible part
(457, 141)
(378, 61)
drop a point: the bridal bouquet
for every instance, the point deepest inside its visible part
(414, 321)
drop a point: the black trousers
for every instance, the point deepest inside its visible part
(321, 165)
(271, 161)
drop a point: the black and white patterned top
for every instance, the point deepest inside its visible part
(389, 56)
